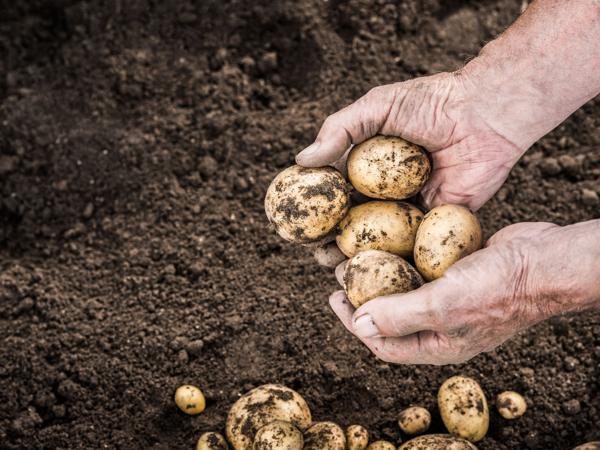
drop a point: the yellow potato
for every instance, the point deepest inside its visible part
(463, 408)
(278, 435)
(324, 436)
(380, 225)
(357, 437)
(374, 273)
(447, 234)
(190, 399)
(260, 407)
(437, 442)
(306, 204)
(212, 441)
(511, 404)
(414, 420)
(381, 445)
(589, 446)
(387, 167)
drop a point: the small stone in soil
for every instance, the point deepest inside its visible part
(589, 197)
(569, 164)
(549, 167)
(207, 166)
(570, 363)
(572, 407)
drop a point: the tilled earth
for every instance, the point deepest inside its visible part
(137, 139)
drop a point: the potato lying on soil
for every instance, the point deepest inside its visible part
(261, 406)
(511, 404)
(357, 437)
(278, 435)
(190, 399)
(447, 234)
(212, 441)
(381, 445)
(463, 408)
(387, 167)
(374, 273)
(437, 442)
(380, 225)
(324, 436)
(306, 204)
(589, 446)
(414, 420)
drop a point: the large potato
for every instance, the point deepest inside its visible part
(381, 445)
(380, 225)
(589, 446)
(306, 204)
(387, 167)
(414, 420)
(357, 437)
(278, 435)
(260, 407)
(324, 436)
(437, 442)
(447, 234)
(511, 404)
(463, 408)
(212, 441)
(374, 273)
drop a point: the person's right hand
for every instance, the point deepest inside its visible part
(439, 112)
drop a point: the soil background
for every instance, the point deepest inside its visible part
(137, 139)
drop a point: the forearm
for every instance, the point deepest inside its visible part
(539, 71)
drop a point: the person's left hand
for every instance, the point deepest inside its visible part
(480, 302)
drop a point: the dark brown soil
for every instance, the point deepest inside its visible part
(137, 139)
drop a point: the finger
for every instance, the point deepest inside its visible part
(342, 308)
(351, 125)
(339, 272)
(329, 255)
(424, 347)
(519, 230)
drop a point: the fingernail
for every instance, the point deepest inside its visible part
(308, 151)
(365, 327)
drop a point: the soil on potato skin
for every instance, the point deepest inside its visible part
(137, 139)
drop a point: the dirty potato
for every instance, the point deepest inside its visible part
(261, 406)
(357, 437)
(388, 168)
(463, 408)
(414, 420)
(306, 204)
(278, 435)
(324, 436)
(381, 445)
(374, 273)
(511, 405)
(380, 225)
(447, 234)
(212, 441)
(190, 399)
(437, 442)
(589, 446)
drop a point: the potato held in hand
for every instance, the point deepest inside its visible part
(379, 225)
(374, 273)
(387, 167)
(306, 204)
(278, 435)
(324, 436)
(447, 234)
(437, 442)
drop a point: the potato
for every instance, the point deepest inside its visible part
(306, 204)
(387, 167)
(357, 437)
(260, 407)
(329, 255)
(447, 234)
(463, 408)
(278, 435)
(212, 441)
(589, 446)
(437, 442)
(381, 445)
(324, 436)
(190, 399)
(511, 404)
(414, 420)
(380, 225)
(374, 273)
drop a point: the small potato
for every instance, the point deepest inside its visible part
(463, 408)
(278, 435)
(437, 442)
(387, 167)
(374, 273)
(212, 441)
(306, 204)
(380, 225)
(381, 445)
(357, 437)
(261, 406)
(447, 234)
(190, 399)
(414, 420)
(589, 446)
(511, 404)
(324, 436)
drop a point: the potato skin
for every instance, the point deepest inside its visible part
(463, 408)
(373, 273)
(589, 446)
(190, 399)
(511, 405)
(357, 437)
(381, 445)
(324, 436)
(388, 168)
(447, 234)
(437, 442)
(212, 441)
(379, 225)
(306, 204)
(261, 406)
(414, 420)
(278, 435)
